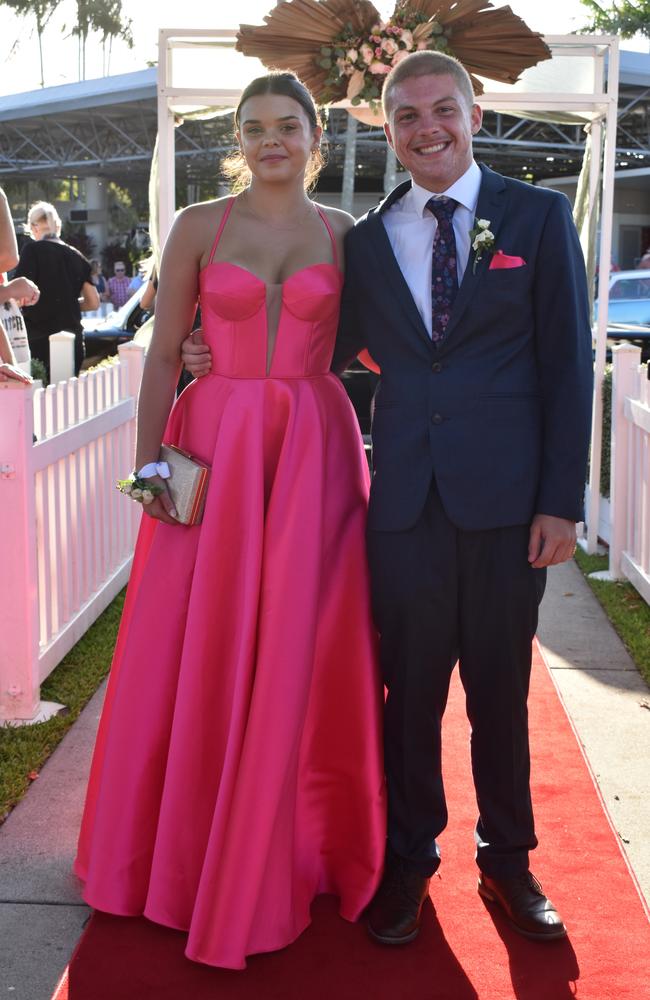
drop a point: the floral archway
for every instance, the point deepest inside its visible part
(343, 48)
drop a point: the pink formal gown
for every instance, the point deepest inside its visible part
(238, 768)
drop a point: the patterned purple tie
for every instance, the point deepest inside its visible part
(444, 275)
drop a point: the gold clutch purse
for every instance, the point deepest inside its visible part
(187, 483)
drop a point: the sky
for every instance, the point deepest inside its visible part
(19, 51)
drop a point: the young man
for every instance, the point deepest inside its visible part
(480, 438)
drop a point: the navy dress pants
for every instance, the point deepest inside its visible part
(442, 595)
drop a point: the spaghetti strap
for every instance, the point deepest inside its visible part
(224, 219)
(332, 237)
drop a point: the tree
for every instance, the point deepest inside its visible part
(42, 10)
(625, 17)
(107, 19)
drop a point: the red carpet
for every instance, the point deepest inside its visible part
(464, 951)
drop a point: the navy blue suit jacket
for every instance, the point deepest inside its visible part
(499, 413)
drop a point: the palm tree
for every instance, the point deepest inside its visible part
(105, 17)
(42, 10)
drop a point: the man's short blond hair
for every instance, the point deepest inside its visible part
(426, 63)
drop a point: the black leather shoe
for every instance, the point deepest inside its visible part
(394, 914)
(525, 905)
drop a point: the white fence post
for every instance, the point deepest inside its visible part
(61, 356)
(133, 355)
(19, 680)
(67, 535)
(626, 360)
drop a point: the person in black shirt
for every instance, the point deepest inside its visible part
(63, 277)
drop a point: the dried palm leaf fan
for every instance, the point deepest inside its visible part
(489, 42)
(297, 34)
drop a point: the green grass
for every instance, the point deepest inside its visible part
(24, 749)
(625, 608)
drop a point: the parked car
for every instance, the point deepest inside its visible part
(628, 316)
(103, 336)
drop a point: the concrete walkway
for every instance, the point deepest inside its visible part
(41, 913)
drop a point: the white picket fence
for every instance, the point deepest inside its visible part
(67, 533)
(629, 529)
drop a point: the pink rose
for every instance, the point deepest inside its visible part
(367, 53)
(378, 67)
(399, 55)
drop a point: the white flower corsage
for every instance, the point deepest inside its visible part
(142, 490)
(482, 239)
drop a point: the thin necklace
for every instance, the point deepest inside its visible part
(285, 229)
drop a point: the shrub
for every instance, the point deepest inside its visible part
(39, 371)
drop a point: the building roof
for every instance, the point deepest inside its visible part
(107, 90)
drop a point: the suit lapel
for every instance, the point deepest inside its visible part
(491, 205)
(388, 263)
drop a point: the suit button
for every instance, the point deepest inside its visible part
(436, 418)
(436, 367)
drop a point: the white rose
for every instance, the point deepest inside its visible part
(378, 67)
(390, 46)
(407, 38)
(482, 238)
(127, 488)
(483, 223)
(367, 53)
(136, 493)
(147, 496)
(352, 55)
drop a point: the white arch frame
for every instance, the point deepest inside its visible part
(601, 103)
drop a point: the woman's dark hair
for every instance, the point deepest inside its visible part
(284, 84)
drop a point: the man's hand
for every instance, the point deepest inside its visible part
(24, 291)
(552, 541)
(10, 372)
(195, 355)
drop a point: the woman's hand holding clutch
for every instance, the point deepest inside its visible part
(162, 506)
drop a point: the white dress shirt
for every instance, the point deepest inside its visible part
(411, 228)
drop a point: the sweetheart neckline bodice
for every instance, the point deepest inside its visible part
(274, 284)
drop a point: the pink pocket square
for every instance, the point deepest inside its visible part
(501, 260)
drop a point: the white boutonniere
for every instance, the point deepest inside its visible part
(482, 239)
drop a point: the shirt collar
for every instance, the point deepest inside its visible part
(465, 191)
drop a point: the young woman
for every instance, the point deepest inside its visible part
(98, 280)
(238, 769)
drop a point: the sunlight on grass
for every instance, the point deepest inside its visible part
(625, 608)
(24, 749)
